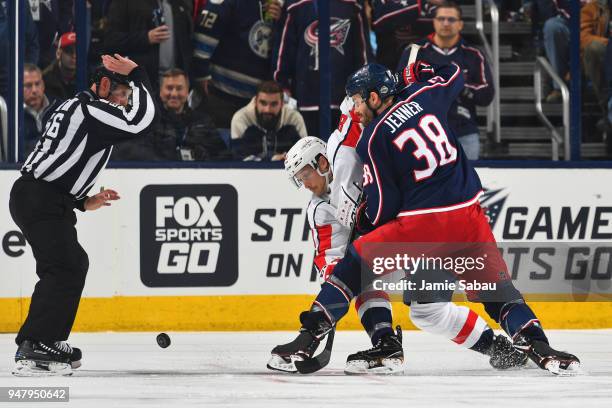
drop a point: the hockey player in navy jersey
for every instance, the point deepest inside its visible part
(334, 173)
(419, 187)
(232, 47)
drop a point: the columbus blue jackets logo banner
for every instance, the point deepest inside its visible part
(338, 33)
(260, 36)
(188, 235)
(493, 202)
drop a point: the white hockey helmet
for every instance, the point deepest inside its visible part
(305, 152)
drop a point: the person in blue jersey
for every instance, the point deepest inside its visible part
(231, 56)
(419, 189)
(336, 193)
(295, 58)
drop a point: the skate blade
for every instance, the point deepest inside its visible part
(390, 366)
(29, 368)
(573, 369)
(277, 363)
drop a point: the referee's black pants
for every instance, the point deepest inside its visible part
(46, 217)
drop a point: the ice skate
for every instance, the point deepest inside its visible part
(314, 329)
(547, 358)
(504, 355)
(39, 359)
(386, 357)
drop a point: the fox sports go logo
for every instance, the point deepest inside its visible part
(190, 232)
(188, 235)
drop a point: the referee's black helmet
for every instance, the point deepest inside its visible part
(116, 79)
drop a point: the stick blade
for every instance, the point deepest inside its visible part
(319, 361)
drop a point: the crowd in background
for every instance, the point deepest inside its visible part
(238, 79)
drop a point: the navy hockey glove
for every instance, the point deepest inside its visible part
(362, 222)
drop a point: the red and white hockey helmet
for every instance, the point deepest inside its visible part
(305, 152)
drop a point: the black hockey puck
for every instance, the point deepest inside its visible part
(163, 340)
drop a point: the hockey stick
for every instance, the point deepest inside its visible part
(319, 361)
(353, 234)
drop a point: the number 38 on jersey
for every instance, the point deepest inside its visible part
(428, 143)
(430, 129)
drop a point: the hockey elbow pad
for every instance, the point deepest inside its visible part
(345, 214)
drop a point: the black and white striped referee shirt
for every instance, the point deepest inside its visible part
(79, 136)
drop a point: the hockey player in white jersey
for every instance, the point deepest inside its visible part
(334, 174)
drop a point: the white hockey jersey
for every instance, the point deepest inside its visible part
(347, 167)
(331, 236)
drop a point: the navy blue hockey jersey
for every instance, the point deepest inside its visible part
(296, 58)
(387, 15)
(413, 163)
(232, 46)
(479, 90)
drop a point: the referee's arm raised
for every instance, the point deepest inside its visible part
(114, 122)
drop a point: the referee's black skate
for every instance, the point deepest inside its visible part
(36, 358)
(504, 355)
(547, 358)
(314, 329)
(386, 357)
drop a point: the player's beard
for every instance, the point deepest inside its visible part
(366, 117)
(267, 121)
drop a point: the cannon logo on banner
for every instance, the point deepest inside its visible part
(189, 235)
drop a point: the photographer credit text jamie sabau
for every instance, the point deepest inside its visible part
(410, 264)
(404, 285)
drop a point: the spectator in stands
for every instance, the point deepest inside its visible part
(37, 106)
(594, 32)
(53, 18)
(398, 24)
(514, 10)
(180, 134)
(266, 128)
(446, 44)
(296, 60)
(554, 16)
(608, 65)
(6, 53)
(60, 77)
(232, 52)
(155, 34)
(98, 15)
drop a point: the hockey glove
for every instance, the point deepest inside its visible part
(418, 71)
(362, 222)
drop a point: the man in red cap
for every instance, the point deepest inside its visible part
(60, 76)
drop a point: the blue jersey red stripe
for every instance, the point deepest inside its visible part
(415, 161)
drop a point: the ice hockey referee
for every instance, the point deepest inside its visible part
(56, 178)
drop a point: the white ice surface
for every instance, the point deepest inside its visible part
(229, 369)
